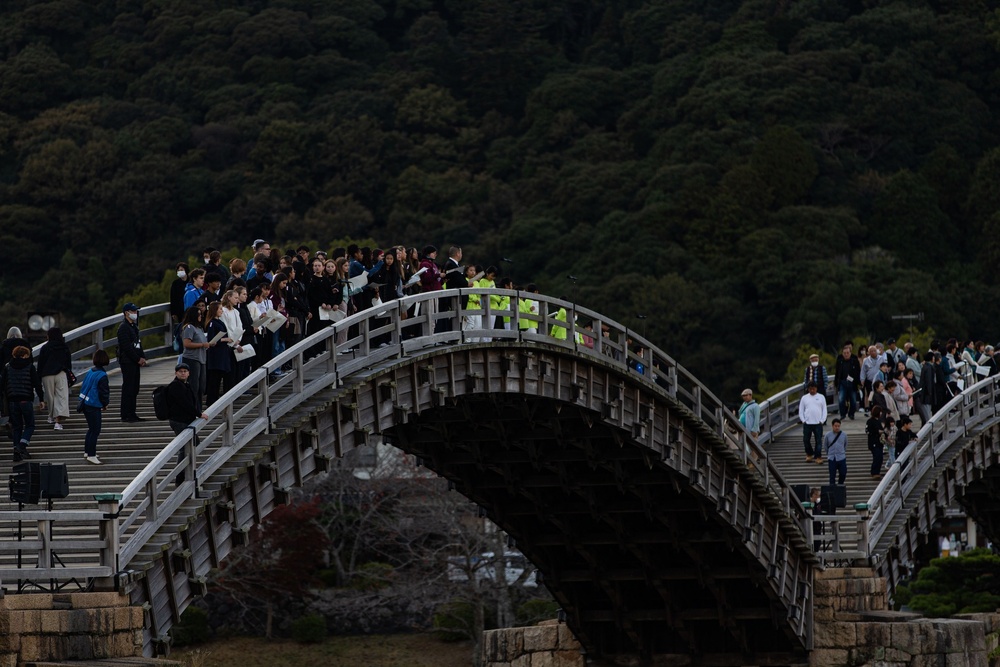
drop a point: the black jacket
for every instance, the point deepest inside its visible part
(7, 349)
(181, 404)
(54, 359)
(847, 367)
(177, 298)
(129, 344)
(19, 379)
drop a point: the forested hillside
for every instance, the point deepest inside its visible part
(752, 176)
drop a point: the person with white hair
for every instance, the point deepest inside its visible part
(14, 339)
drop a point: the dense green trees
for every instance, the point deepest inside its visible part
(753, 176)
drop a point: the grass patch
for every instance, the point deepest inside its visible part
(411, 650)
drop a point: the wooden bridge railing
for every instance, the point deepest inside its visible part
(376, 336)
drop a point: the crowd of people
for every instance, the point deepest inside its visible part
(893, 386)
(217, 309)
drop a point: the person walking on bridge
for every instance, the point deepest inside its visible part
(812, 414)
(815, 373)
(750, 414)
(847, 380)
(836, 452)
(18, 382)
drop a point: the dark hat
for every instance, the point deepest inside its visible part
(130, 306)
(181, 367)
(890, 341)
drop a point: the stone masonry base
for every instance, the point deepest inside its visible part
(44, 627)
(852, 627)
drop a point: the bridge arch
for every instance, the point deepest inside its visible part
(618, 473)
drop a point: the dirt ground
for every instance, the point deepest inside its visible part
(414, 650)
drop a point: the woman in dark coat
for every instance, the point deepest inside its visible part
(218, 357)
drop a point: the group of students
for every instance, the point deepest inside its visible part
(215, 306)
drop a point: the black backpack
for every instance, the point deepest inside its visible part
(160, 402)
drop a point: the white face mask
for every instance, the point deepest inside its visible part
(133, 316)
(182, 275)
(814, 363)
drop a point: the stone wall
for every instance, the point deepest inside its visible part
(852, 627)
(70, 626)
(548, 644)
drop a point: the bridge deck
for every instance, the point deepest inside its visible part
(788, 455)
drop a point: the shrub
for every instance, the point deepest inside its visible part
(309, 629)
(535, 610)
(454, 621)
(372, 577)
(193, 628)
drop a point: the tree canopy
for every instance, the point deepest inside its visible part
(752, 176)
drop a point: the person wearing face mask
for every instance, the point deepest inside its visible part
(177, 292)
(815, 372)
(130, 359)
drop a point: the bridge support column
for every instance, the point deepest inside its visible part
(52, 627)
(853, 627)
(548, 644)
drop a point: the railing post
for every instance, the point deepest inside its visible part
(108, 504)
(863, 529)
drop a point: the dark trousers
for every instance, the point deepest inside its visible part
(877, 455)
(178, 428)
(838, 469)
(847, 399)
(22, 421)
(130, 390)
(94, 422)
(809, 430)
(215, 378)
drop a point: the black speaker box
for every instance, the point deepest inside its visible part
(31, 481)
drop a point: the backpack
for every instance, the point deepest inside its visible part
(160, 402)
(178, 343)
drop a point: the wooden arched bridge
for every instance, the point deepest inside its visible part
(658, 524)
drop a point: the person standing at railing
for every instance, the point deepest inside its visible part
(453, 275)
(95, 396)
(18, 382)
(526, 306)
(177, 288)
(130, 359)
(835, 443)
(749, 414)
(812, 414)
(847, 380)
(182, 409)
(194, 289)
(989, 361)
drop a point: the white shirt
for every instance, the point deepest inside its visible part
(234, 325)
(812, 409)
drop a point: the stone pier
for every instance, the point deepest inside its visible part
(852, 627)
(52, 627)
